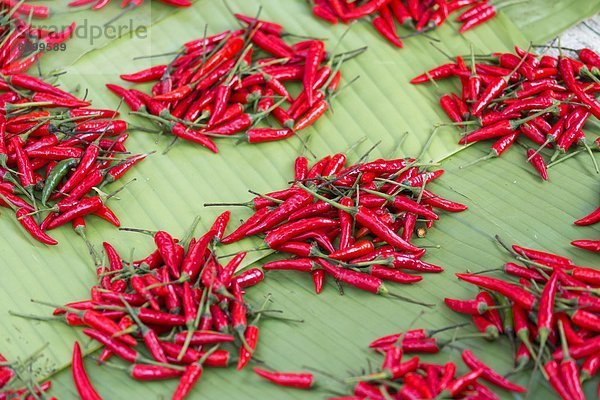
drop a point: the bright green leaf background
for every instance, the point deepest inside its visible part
(504, 195)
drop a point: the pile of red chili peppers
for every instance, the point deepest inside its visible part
(588, 244)
(16, 381)
(412, 378)
(354, 223)
(417, 15)
(167, 314)
(549, 311)
(507, 96)
(224, 85)
(55, 151)
(98, 4)
(23, 44)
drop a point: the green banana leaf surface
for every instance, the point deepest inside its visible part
(505, 197)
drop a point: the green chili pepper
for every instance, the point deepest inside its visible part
(58, 173)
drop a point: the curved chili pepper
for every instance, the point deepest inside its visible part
(511, 291)
(84, 207)
(318, 277)
(590, 219)
(32, 227)
(291, 379)
(82, 382)
(567, 72)
(489, 374)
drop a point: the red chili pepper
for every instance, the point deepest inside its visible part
(544, 257)
(538, 163)
(248, 278)
(387, 31)
(86, 206)
(290, 379)
(589, 57)
(240, 232)
(149, 373)
(29, 223)
(569, 370)
(590, 245)
(567, 72)
(546, 309)
(586, 320)
(359, 249)
(318, 278)
(590, 367)
(485, 14)
(121, 350)
(289, 206)
(147, 75)
(451, 108)
(251, 340)
(325, 13)
(286, 232)
(192, 374)
(441, 72)
(313, 114)
(82, 382)
(590, 219)
(511, 291)
(393, 275)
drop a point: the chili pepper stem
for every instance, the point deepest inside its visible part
(589, 150)
(246, 204)
(193, 325)
(32, 316)
(564, 158)
(143, 129)
(137, 230)
(266, 197)
(406, 299)
(505, 246)
(350, 210)
(484, 158)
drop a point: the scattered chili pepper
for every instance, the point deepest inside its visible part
(82, 381)
(298, 380)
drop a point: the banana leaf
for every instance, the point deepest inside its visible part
(542, 20)
(504, 195)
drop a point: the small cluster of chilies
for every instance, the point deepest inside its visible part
(410, 379)
(168, 314)
(551, 311)
(509, 96)
(54, 151)
(23, 44)
(16, 382)
(224, 85)
(98, 4)
(414, 379)
(588, 244)
(418, 15)
(354, 223)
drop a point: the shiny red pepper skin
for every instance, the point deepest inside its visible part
(511, 291)
(82, 382)
(290, 379)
